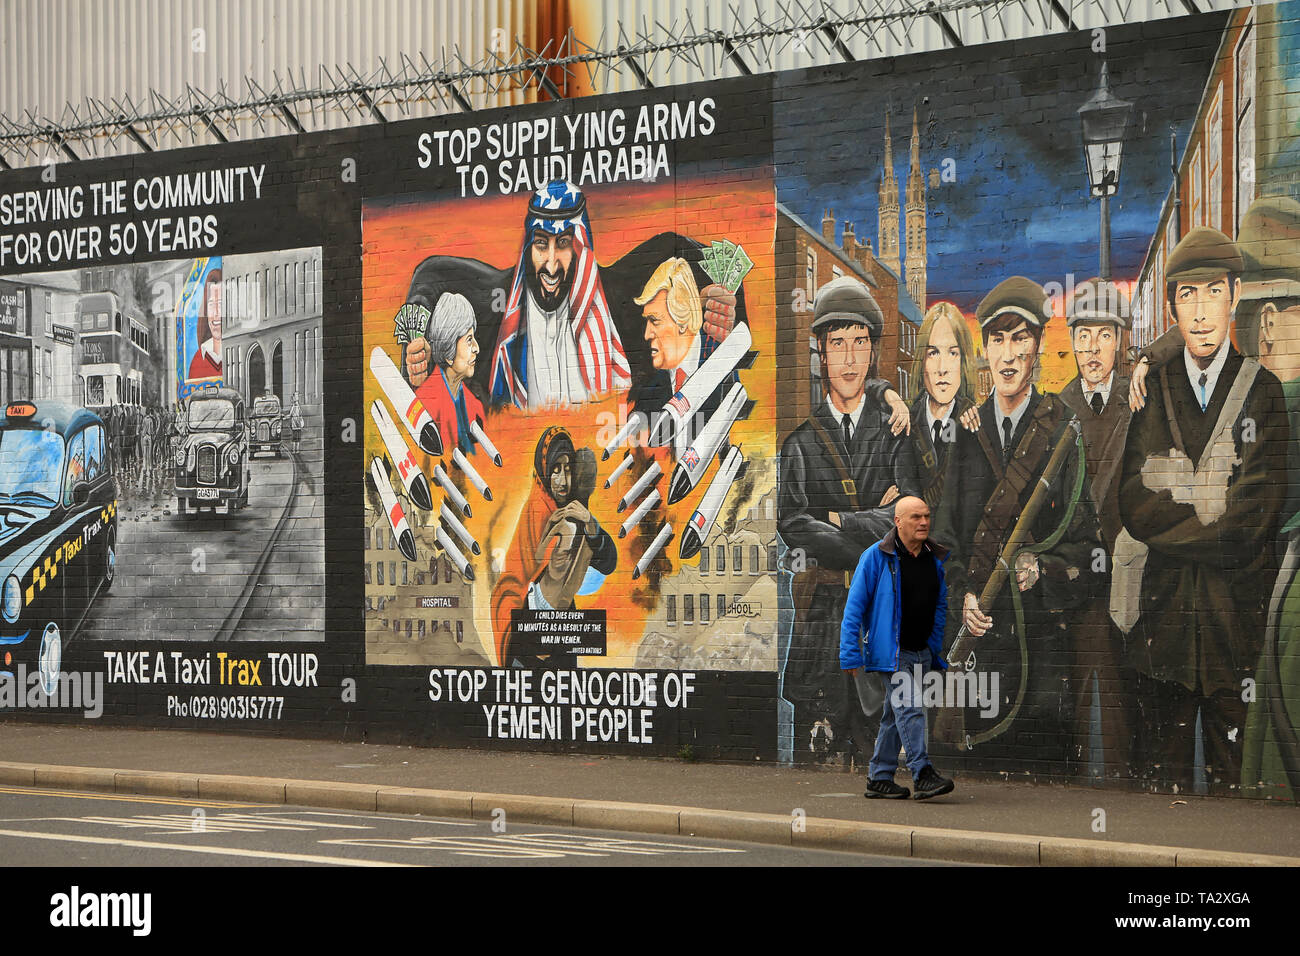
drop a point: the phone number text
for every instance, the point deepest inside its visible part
(225, 708)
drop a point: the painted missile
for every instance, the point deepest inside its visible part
(417, 486)
(416, 418)
(642, 510)
(480, 436)
(472, 474)
(393, 508)
(636, 422)
(623, 466)
(732, 353)
(701, 523)
(650, 478)
(696, 459)
(452, 491)
(660, 542)
(451, 521)
(453, 552)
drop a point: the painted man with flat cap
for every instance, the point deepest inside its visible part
(840, 472)
(1202, 484)
(1019, 429)
(1098, 315)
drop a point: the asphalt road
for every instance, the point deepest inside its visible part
(59, 828)
(216, 576)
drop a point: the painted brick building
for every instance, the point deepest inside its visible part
(821, 259)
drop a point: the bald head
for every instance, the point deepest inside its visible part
(912, 520)
(907, 504)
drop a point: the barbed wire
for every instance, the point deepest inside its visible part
(746, 43)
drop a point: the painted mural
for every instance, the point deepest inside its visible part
(616, 391)
(162, 431)
(1098, 417)
(562, 451)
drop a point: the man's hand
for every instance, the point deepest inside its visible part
(1027, 571)
(1137, 384)
(900, 416)
(890, 495)
(976, 621)
(970, 419)
(417, 361)
(719, 311)
(834, 518)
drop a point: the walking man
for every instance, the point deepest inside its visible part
(893, 623)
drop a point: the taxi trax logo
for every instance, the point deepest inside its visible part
(24, 689)
(48, 569)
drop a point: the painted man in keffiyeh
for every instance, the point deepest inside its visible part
(558, 343)
(561, 327)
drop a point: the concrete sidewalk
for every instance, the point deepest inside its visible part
(981, 821)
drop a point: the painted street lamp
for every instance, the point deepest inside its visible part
(1104, 118)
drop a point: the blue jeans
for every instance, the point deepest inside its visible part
(903, 719)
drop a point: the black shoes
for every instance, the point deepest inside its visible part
(887, 790)
(930, 784)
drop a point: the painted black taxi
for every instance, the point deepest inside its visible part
(212, 456)
(265, 423)
(58, 529)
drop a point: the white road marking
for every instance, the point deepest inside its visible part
(413, 818)
(532, 846)
(223, 823)
(130, 798)
(218, 850)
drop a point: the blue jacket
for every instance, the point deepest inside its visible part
(873, 615)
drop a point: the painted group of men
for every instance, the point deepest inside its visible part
(138, 435)
(1125, 604)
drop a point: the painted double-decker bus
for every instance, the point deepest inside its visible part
(116, 366)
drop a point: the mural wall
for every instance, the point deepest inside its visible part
(162, 444)
(196, 383)
(569, 460)
(1115, 610)
(614, 392)
(543, 416)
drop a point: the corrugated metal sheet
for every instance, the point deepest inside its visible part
(55, 52)
(59, 52)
